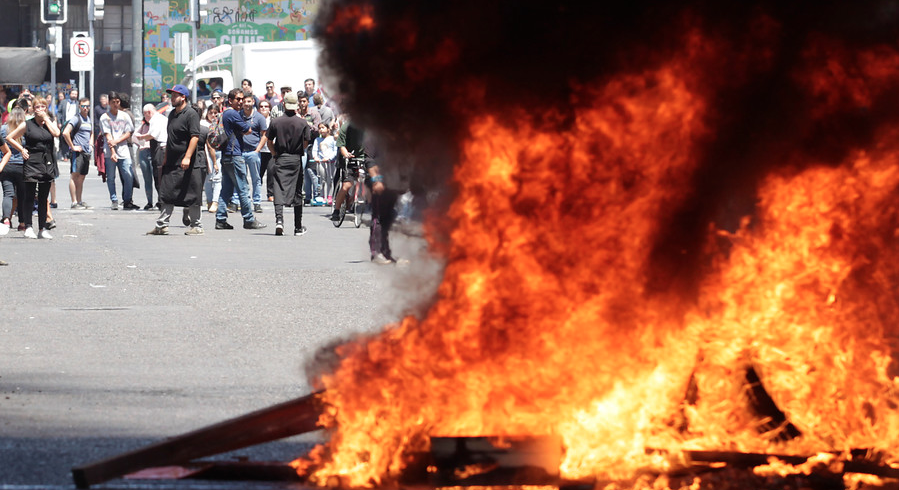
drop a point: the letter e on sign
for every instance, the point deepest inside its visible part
(81, 53)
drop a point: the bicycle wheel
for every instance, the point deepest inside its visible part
(343, 208)
(357, 213)
(358, 205)
(334, 199)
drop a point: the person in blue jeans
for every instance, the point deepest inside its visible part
(252, 146)
(117, 126)
(312, 186)
(234, 167)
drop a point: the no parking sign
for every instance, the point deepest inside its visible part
(81, 51)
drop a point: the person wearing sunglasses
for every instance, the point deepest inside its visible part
(271, 96)
(80, 145)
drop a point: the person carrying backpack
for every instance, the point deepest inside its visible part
(77, 133)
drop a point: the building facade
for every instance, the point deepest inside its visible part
(226, 22)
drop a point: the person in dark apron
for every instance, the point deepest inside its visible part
(39, 163)
(288, 137)
(182, 176)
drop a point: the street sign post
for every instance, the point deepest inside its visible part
(81, 87)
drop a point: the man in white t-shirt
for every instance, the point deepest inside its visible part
(117, 126)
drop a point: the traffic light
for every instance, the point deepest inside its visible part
(95, 10)
(54, 11)
(198, 11)
(204, 6)
(54, 41)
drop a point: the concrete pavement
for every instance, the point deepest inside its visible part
(110, 339)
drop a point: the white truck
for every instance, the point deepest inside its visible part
(283, 62)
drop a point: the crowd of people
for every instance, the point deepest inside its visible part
(225, 154)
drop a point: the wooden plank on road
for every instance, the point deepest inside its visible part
(269, 424)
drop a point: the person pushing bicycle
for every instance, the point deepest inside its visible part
(353, 148)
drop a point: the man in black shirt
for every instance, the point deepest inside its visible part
(181, 183)
(288, 137)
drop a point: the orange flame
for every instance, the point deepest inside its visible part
(544, 324)
(353, 18)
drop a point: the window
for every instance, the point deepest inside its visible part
(116, 32)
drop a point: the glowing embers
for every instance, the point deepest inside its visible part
(488, 461)
(353, 19)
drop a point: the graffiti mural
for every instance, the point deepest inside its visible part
(226, 22)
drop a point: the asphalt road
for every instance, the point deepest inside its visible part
(111, 339)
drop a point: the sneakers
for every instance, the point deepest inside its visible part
(29, 233)
(335, 216)
(185, 220)
(380, 259)
(233, 208)
(279, 228)
(196, 230)
(115, 205)
(257, 208)
(4, 227)
(77, 205)
(299, 231)
(159, 231)
(253, 225)
(81, 206)
(54, 205)
(223, 225)
(130, 206)
(148, 207)
(44, 234)
(318, 202)
(50, 224)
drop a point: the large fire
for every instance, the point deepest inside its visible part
(549, 319)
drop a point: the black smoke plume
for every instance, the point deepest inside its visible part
(414, 70)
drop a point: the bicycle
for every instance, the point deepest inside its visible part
(355, 196)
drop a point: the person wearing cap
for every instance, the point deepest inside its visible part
(217, 98)
(181, 181)
(278, 109)
(288, 137)
(234, 167)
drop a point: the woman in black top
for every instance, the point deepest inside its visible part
(40, 163)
